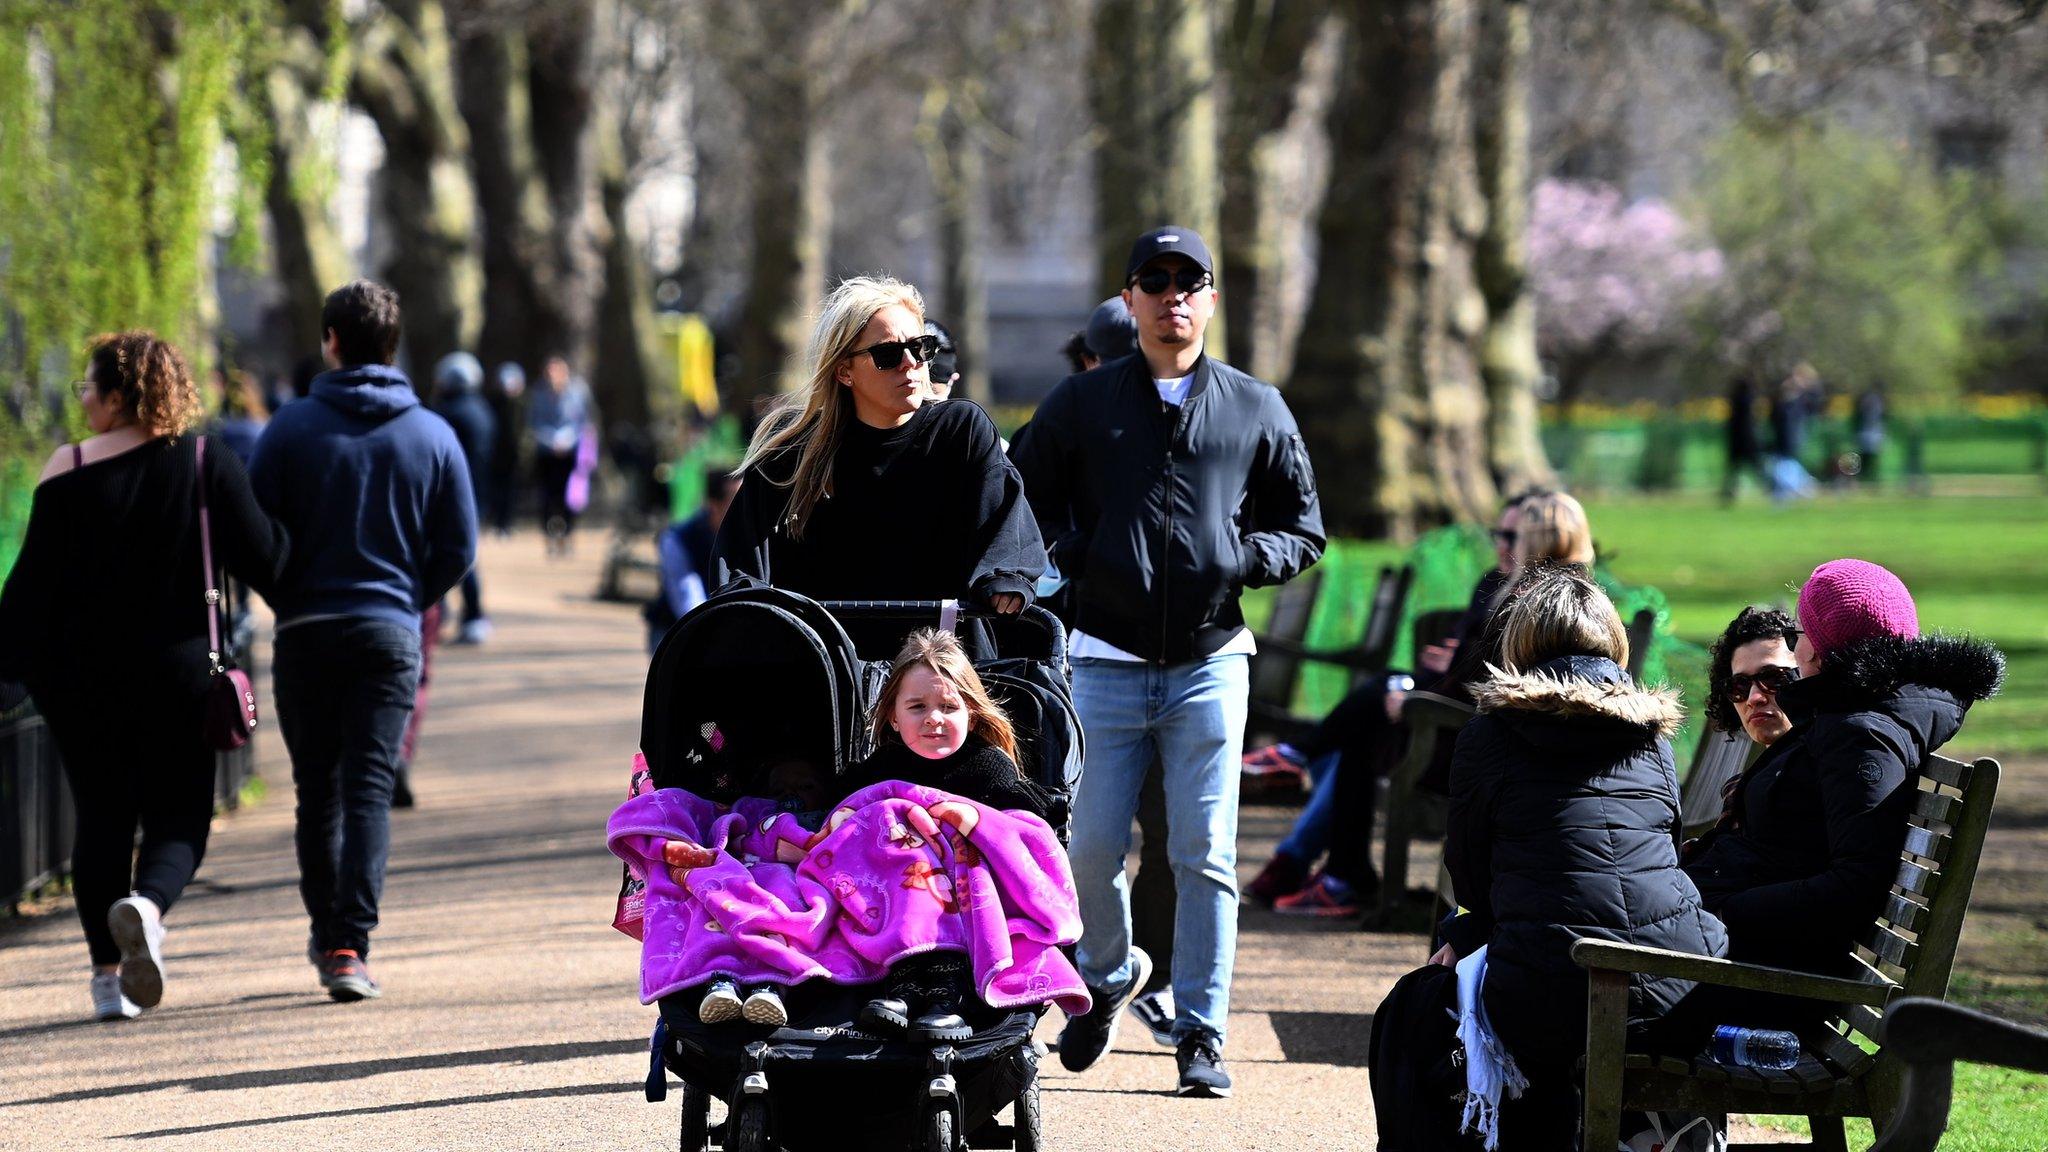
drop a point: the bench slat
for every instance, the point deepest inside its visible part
(1927, 844)
(1917, 880)
(1865, 1019)
(1904, 914)
(1842, 1057)
(1935, 806)
(1946, 771)
(1895, 948)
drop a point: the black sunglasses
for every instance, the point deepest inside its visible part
(1770, 678)
(889, 353)
(1505, 537)
(1153, 281)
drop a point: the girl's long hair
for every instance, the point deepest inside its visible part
(812, 416)
(941, 652)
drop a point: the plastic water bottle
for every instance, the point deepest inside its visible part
(1400, 682)
(1760, 1048)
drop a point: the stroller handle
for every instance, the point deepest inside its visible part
(1045, 622)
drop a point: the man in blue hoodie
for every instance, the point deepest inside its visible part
(376, 494)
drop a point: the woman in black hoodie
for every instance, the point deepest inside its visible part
(1563, 817)
(1802, 860)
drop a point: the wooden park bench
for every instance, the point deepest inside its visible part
(1721, 757)
(1909, 951)
(1283, 651)
(1930, 1036)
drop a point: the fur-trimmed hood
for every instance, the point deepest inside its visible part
(1566, 692)
(1867, 671)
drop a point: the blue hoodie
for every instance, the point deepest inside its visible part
(375, 492)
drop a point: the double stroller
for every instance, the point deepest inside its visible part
(821, 1081)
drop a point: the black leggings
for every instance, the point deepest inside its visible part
(151, 769)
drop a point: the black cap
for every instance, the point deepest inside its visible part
(1161, 241)
(1112, 331)
(947, 362)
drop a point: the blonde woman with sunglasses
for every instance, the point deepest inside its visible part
(857, 488)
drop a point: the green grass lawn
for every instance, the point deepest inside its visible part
(1974, 564)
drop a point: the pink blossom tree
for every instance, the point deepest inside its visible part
(1612, 277)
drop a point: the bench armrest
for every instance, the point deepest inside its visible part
(1613, 956)
(1350, 658)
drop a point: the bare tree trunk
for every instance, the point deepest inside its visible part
(1264, 44)
(305, 253)
(1386, 376)
(404, 80)
(1508, 361)
(561, 83)
(1152, 86)
(625, 314)
(491, 92)
(790, 222)
(953, 152)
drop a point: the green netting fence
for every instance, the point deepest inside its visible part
(1447, 563)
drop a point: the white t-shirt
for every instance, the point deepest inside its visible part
(1082, 646)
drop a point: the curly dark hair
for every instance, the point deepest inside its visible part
(1751, 624)
(152, 379)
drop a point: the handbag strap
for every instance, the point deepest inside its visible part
(213, 607)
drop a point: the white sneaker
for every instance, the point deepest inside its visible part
(721, 1003)
(107, 1001)
(764, 1006)
(138, 928)
(475, 632)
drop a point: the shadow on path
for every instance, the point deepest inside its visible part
(382, 1109)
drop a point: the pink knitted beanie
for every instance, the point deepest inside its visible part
(1849, 600)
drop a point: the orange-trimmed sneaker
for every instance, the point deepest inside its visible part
(1326, 897)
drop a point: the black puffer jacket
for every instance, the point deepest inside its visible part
(1161, 515)
(1813, 843)
(1564, 804)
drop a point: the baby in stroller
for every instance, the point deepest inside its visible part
(934, 724)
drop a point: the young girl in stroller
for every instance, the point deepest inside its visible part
(935, 725)
(762, 897)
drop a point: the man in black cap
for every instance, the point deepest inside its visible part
(1165, 482)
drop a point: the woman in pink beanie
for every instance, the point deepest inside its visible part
(1806, 852)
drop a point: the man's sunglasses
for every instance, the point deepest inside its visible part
(1153, 281)
(889, 353)
(1770, 678)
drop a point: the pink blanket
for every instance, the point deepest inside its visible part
(899, 869)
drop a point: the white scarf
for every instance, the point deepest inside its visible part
(1490, 1069)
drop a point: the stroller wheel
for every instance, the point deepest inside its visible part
(696, 1117)
(746, 1127)
(938, 1129)
(1026, 1122)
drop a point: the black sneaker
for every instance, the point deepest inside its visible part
(1090, 1034)
(1155, 1011)
(1200, 1057)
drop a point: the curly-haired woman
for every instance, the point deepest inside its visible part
(104, 618)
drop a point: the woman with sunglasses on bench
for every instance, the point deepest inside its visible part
(856, 488)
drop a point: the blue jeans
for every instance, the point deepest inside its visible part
(1190, 718)
(1311, 832)
(344, 696)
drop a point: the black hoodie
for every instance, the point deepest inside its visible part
(1814, 844)
(1564, 806)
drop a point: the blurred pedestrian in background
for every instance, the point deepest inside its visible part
(559, 418)
(459, 399)
(506, 394)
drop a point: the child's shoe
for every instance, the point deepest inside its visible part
(721, 1002)
(107, 1001)
(889, 1015)
(764, 1006)
(940, 1018)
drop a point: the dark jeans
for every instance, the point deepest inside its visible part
(553, 472)
(1358, 729)
(148, 767)
(472, 596)
(344, 695)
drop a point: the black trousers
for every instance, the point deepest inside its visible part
(1358, 729)
(553, 471)
(151, 769)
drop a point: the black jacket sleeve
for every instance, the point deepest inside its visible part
(246, 540)
(1010, 554)
(1287, 527)
(1865, 790)
(28, 602)
(1468, 836)
(1044, 459)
